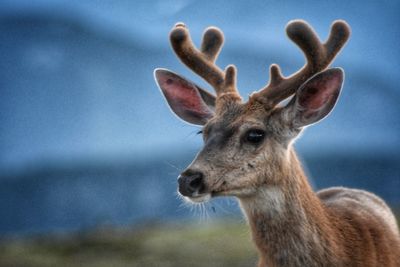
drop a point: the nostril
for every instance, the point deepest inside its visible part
(196, 183)
(190, 182)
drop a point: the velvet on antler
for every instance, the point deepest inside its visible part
(202, 61)
(318, 57)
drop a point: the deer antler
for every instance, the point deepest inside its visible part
(203, 62)
(318, 55)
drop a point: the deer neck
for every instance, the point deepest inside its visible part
(287, 219)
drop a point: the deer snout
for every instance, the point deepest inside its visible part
(191, 183)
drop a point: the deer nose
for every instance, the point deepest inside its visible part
(190, 182)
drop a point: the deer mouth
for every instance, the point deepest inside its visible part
(206, 196)
(218, 193)
(200, 198)
(233, 192)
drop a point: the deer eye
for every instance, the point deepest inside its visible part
(254, 136)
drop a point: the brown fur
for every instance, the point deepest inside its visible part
(323, 229)
(291, 225)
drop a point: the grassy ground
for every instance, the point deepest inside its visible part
(218, 244)
(213, 244)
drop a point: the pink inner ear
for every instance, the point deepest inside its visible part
(183, 97)
(316, 93)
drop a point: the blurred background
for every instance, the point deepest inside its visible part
(89, 151)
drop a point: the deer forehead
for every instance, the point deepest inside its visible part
(237, 117)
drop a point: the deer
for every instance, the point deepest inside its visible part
(249, 154)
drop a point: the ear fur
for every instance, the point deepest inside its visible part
(316, 98)
(187, 100)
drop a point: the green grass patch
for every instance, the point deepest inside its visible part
(217, 244)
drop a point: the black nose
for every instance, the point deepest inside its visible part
(190, 182)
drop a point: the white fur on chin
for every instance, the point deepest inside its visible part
(199, 198)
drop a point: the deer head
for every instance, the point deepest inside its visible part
(247, 143)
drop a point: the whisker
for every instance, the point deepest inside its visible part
(173, 166)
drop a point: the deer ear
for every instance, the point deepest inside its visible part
(187, 100)
(315, 98)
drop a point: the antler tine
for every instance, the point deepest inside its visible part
(340, 33)
(318, 57)
(203, 62)
(305, 38)
(212, 42)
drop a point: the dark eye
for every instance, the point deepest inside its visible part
(254, 136)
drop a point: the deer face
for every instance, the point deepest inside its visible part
(239, 154)
(245, 144)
